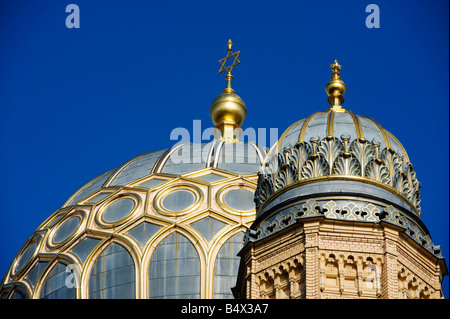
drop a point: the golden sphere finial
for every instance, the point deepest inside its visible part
(336, 88)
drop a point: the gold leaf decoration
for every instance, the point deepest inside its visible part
(287, 175)
(349, 211)
(413, 184)
(392, 161)
(331, 209)
(401, 183)
(299, 154)
(363, 151)
(415, 200)
(412, 179)
(377, 171)
(264, 190)
(330, 149)
(315, 167)
(371, 213)
(346, 165)
(311, 208)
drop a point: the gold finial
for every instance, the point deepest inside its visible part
(230, 54)
(230, 44)
(336, 67)
(223, 68)
(228, 111)
(336, 88)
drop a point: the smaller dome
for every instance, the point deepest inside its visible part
(339, 124)
(339, 145)
(340, 166)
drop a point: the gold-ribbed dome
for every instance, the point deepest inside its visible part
(338, 144)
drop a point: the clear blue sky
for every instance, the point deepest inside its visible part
(78, 102)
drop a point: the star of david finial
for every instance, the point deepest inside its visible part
(229, 55)
(336, 67)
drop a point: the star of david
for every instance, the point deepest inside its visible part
(336, 67)
(230, 54)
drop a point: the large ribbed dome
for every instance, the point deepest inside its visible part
(180, 160)
(165, 224)
(147, 229)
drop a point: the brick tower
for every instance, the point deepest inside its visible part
(338, 214)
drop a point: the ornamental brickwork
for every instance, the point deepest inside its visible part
(321, 259)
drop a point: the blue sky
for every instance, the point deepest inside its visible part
(78, 102)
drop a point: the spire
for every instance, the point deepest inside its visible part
(228, 111)
(223, 68)
(336, 88)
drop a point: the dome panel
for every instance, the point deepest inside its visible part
(55, 285)
(239, 158)
(181, 168)
(89, 188)
(397, 146)
(99, 197)
(210, 177)
(85, 247)
(36, 272)
(344, 124)
(208, 227)
(66, 229)
(174, 270)
(291, 135)
(317, 126)
(26, 256)
(239, 199)
(152, 183)
(184, 158)
(117, 210)
(18, 295)
(372, 131)
(113, 275)
(143, 232)
(136, 168)
(227, 266)
(178, 200)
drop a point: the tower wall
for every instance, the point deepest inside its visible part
(319, 258)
